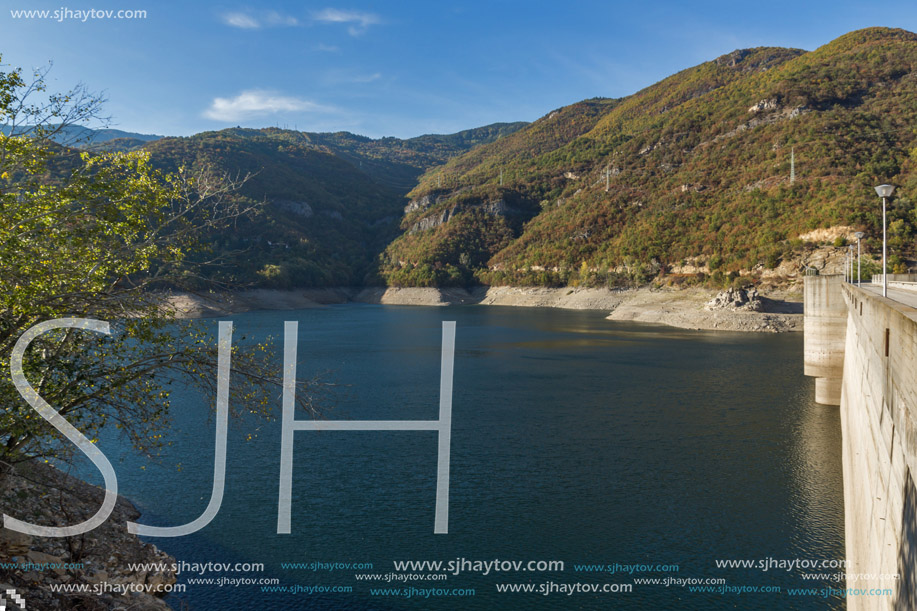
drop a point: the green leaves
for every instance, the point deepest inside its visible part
(101, 236)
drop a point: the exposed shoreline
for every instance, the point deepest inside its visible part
(682, 308)
(99, 559)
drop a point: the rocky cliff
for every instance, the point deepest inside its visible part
(96, 563)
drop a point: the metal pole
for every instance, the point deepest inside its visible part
(850, 265)
(859, 268)
(850, 250)
(884, 269)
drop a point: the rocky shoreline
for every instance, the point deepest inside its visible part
(94, 567)
(691, 308)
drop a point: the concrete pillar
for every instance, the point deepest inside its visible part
(828, 391)
(825, 332)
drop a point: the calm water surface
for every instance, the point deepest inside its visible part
(574, 439)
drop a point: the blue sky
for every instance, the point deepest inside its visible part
(395, 69)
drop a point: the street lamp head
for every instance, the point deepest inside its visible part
(859, 235)
(885, 190)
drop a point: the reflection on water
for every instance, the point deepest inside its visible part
(817, 475)
(574, 438)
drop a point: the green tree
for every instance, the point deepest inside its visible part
(102, 240)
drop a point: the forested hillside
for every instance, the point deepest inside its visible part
(331, 202)
(715, 171)
(694, 169)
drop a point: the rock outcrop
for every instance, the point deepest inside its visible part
(99, 559)
(736, 299)
(497, 207)
(764, 105)
(302, 209)
(426, 201)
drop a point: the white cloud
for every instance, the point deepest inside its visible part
(258, 103)
(335, 77)
(248, 21)
(344, 77)
(367, 78)
(328, 48)
(358, 21)
(241, 20)
(275, 18)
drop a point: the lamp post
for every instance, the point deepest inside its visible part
(859, 235)
(848, 274)
(884, 191)
(850, 258)
(847, 265)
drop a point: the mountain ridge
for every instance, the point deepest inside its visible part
(715, 172)
(685, 159)
(330, 201)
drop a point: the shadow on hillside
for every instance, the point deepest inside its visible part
(774, 306)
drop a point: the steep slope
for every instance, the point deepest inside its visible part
(697, 169)
(331, 201)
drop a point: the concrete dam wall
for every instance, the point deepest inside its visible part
(862, 349)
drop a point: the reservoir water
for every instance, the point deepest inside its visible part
(575, 439)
